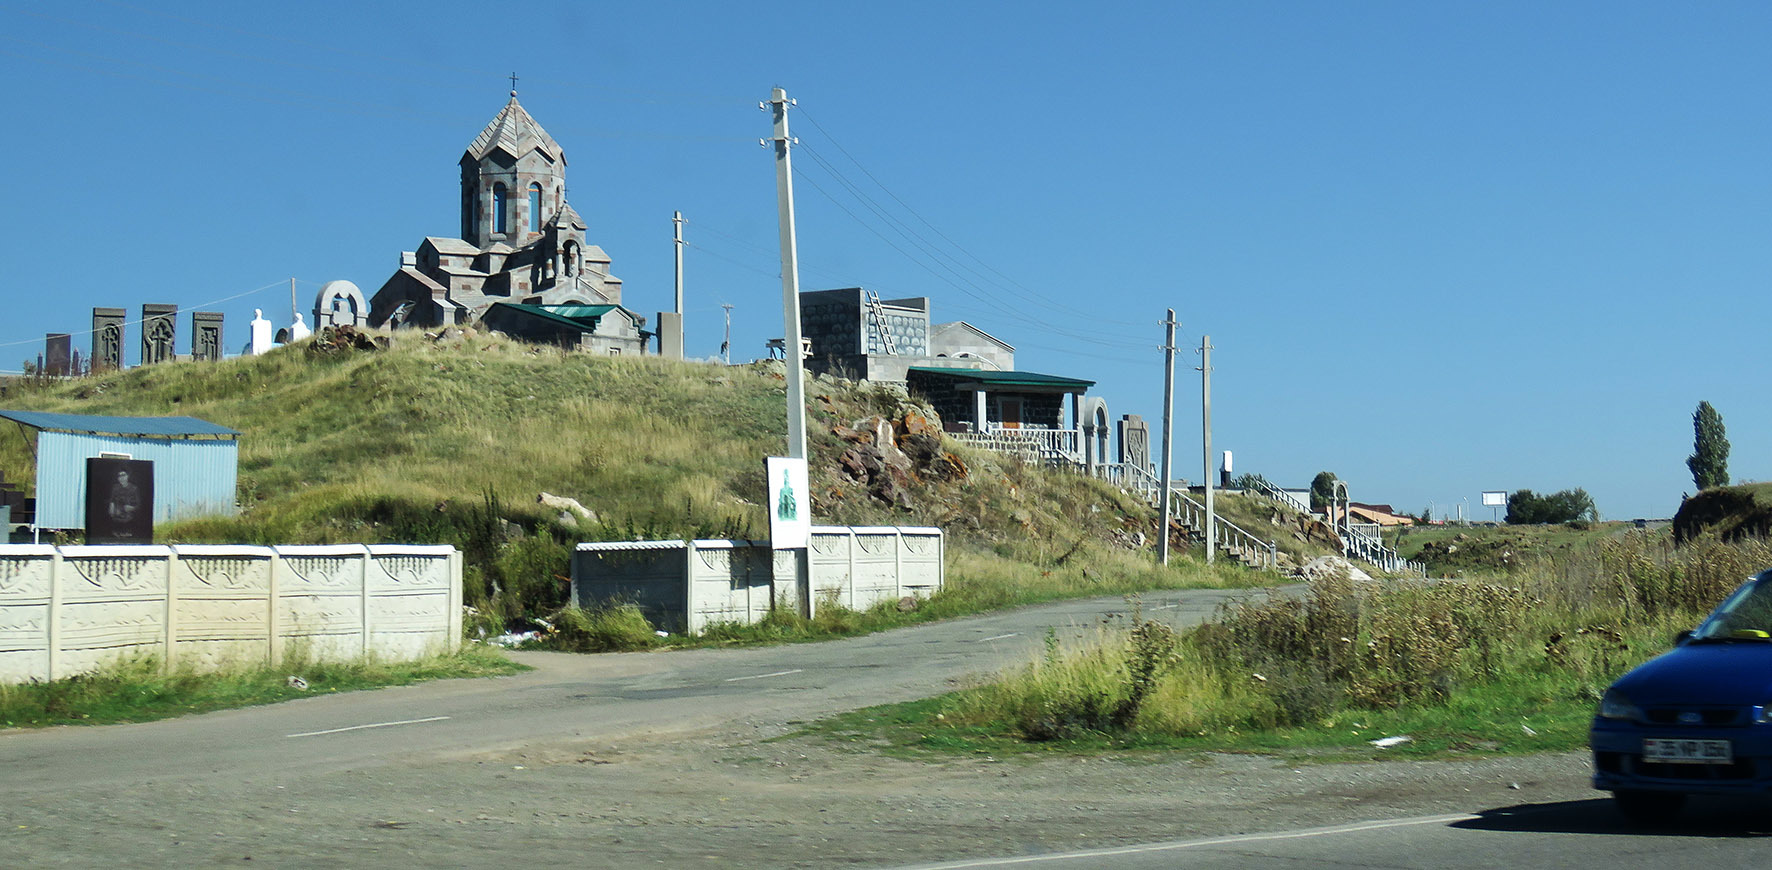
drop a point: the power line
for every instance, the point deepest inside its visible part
(1001, 309)
(933, 228)
(138, 321)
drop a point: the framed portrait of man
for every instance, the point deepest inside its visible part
(119, 501)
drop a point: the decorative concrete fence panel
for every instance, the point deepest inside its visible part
(64, 610)
(861, 566)
(686, 586)
(730, 581)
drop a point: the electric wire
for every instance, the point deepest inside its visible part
(937, 230)
(140, 320)
(940, 257)
(1005, 311)
(961, 308)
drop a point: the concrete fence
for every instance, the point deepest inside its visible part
(686, 586)
(65, 610)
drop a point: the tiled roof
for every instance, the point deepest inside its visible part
(516, 133)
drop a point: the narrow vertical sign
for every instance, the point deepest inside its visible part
(790, 503)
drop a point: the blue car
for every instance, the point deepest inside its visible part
(1696, 719)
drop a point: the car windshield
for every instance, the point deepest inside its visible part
(1744, 615)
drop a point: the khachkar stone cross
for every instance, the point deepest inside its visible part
(158, 331)
(107, 338)
(1135, 441)
(206, 335)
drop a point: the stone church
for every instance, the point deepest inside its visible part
(521, 259)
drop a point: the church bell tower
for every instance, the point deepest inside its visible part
(513, 179)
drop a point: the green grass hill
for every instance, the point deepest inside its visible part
(453, 439)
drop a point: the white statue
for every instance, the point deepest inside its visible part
(298, 330)
(261, 332)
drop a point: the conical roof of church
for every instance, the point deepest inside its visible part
(566, 215)
(514, 131)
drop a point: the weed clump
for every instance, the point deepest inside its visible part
(622, 627)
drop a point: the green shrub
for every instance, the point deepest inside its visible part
(610, 629)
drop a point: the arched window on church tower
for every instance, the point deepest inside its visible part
(534, 207)
(571, 258)
(499, 222)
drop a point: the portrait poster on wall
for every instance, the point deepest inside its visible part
(119, 501)
(790, 503)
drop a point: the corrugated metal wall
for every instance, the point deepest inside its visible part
(191, 477)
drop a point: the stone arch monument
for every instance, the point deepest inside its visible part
(340, 303)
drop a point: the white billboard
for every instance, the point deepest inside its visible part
(1494, 499)
(790, 503)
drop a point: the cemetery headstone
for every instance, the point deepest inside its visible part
(261, 332)
(159, 330)
(107, 338)
(1135, 441)
(58, 358)
(206, 335)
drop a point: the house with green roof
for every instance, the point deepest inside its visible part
(967, 374)
(609, 330)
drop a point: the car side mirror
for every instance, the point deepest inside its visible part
(1681, 638)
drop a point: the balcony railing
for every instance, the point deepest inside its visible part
(1030, 444)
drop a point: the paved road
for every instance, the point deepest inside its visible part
(604, 697)
(435, 775)
(1572, 834)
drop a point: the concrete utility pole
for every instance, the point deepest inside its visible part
(790, 276)
(677, 231)
(726, 345)
(1206, 437)
(1168, 439)
(292, 308)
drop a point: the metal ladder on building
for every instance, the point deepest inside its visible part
(877, 312)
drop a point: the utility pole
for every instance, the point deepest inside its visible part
(726, 345)
(1168, 442)
(790, 275)
(292, 311)
(677, 231)
(1206, 437)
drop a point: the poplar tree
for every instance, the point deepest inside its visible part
(1709, 461)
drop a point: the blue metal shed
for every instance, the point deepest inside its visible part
(196, 462)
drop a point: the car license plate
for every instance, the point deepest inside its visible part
(1674, 751)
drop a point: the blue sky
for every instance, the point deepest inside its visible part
(1440, 248)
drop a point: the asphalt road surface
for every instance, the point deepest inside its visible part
(664, 759)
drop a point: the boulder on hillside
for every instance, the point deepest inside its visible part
(1329, 566)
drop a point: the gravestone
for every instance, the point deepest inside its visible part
(107, 338)
(206, 335)
(1135, 441)
(159, 329)
(340, 303)
(261, 332)
(57, 355)
(299, 330)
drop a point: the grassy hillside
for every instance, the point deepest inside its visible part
(1729, 512)
(1497, 548)
(453, 440)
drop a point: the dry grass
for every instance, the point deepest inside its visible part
(1559, 631)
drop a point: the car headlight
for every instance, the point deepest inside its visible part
(1614, 705)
